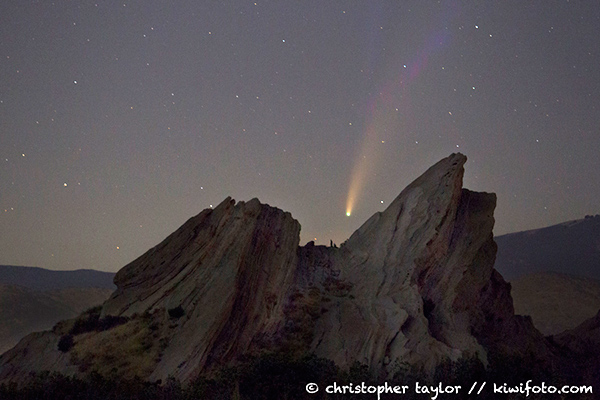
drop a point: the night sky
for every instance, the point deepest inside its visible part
(119, 121)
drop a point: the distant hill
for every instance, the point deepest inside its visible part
(24, 310)
(556, 302)
(45, 279)
(554, 272)
(571, 248)
(34, 299)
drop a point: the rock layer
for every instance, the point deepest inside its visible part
(414, 284)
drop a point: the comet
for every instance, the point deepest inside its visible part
(382, 120)
(385, 110)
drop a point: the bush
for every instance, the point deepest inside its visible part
(65, 343)
(90, 321)
(110, 321)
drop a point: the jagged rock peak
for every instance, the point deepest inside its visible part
(215, 236)
(224, 269)
(413, 268)
(439, 186)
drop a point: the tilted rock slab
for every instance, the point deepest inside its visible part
(417, 270)
(414, 284)
(227, 269)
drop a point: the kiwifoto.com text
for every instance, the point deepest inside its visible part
(433, 391)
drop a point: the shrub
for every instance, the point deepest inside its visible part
(90, 321)
(65, 343)
(110, 321)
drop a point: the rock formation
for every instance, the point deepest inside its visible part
(414, 284)
(417, 273)
(226, 268)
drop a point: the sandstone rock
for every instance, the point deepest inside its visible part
(419, 272)
(414, 284)
(226, 269)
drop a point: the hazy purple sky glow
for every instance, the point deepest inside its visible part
(119, 121)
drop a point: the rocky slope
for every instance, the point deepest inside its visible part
(414, 284)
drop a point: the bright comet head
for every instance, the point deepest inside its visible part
(347, 213)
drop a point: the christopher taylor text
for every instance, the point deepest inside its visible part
(433, 391)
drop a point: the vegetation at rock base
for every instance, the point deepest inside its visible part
(276, 376)
(113, 346)
(90, 321)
